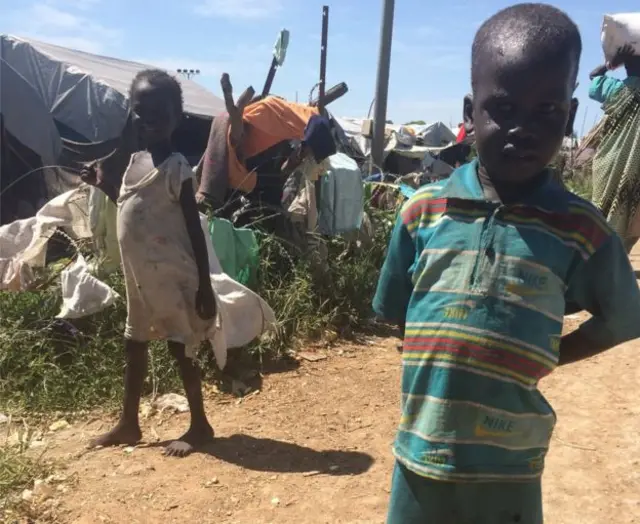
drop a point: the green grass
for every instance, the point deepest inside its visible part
(45, 367)
(18, 471)
(581, 183)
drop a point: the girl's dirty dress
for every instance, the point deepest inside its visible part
(159, 266)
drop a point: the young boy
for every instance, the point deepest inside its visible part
(482, 267)
(164, 260)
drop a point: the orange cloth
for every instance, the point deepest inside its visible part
(271, 121)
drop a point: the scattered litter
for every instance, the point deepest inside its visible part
(136, 469)
(311, 357)
(59, 425)
(55, 479)
(334, 468)
(3, 419)
(213, 482)
(275, 501)
(41, 490)
(311, 474)
(173, 402)
(129, 449)
(171, 507)
(36, 444)
(146, 410)
(27, 495)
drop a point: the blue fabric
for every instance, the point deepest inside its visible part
(317, 135)
(407, 191)
(341, 200)
(603, 88)
(376, 177)
(417, 500)
(483, 288)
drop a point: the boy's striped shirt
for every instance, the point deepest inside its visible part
(483, 288)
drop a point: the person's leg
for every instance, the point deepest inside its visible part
(200, 431)
(127, 431)
(629, 242)
(400, 345)
(418, 500)
(501, 502)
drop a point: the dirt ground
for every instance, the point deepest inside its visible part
(314, 447)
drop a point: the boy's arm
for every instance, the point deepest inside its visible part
(605, 286)
(395, 286)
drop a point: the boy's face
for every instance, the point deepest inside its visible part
(519, 112)
(154, 117)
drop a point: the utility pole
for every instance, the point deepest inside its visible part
(188, 73)
(382, 83)
(323, 56)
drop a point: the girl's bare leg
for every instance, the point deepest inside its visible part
(127, 431)
(200, 432)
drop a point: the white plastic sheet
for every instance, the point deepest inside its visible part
(23, 243)
(82, 293)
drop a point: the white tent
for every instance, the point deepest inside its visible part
(433, 137)
(88, 93)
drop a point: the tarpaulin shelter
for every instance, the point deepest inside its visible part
(58, 101)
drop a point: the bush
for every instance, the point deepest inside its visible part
(63, 366)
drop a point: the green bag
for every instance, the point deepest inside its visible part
(237, 250)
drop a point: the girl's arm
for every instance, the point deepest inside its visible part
(205, 299)
(194, 229)
(601, 70)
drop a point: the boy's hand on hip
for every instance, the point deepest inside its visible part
(205, 301)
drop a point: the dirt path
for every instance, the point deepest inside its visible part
(314, 447)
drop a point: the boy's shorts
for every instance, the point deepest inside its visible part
(418, 500)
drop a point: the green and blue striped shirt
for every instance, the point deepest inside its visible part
(483, 288)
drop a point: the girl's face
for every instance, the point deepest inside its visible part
(154, 116)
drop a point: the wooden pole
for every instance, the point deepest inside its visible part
(331, 95)
(272, 74)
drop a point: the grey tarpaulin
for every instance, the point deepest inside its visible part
(26, 117)
(88, 93)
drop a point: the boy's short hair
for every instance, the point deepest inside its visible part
(541, 28)
(164, 81)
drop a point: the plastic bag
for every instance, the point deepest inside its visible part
(620, 30)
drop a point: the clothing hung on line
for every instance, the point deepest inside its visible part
(267, 122)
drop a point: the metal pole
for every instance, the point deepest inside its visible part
(272, 74)
(323, 56)
(382, 83)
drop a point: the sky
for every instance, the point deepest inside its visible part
(431, 48)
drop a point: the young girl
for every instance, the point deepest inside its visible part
(164, 260)
(616, 164)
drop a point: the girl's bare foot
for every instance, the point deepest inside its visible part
(122, 434)
(192, 440)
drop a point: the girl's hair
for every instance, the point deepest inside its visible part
(164, 81)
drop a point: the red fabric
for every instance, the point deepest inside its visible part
(461, 135)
